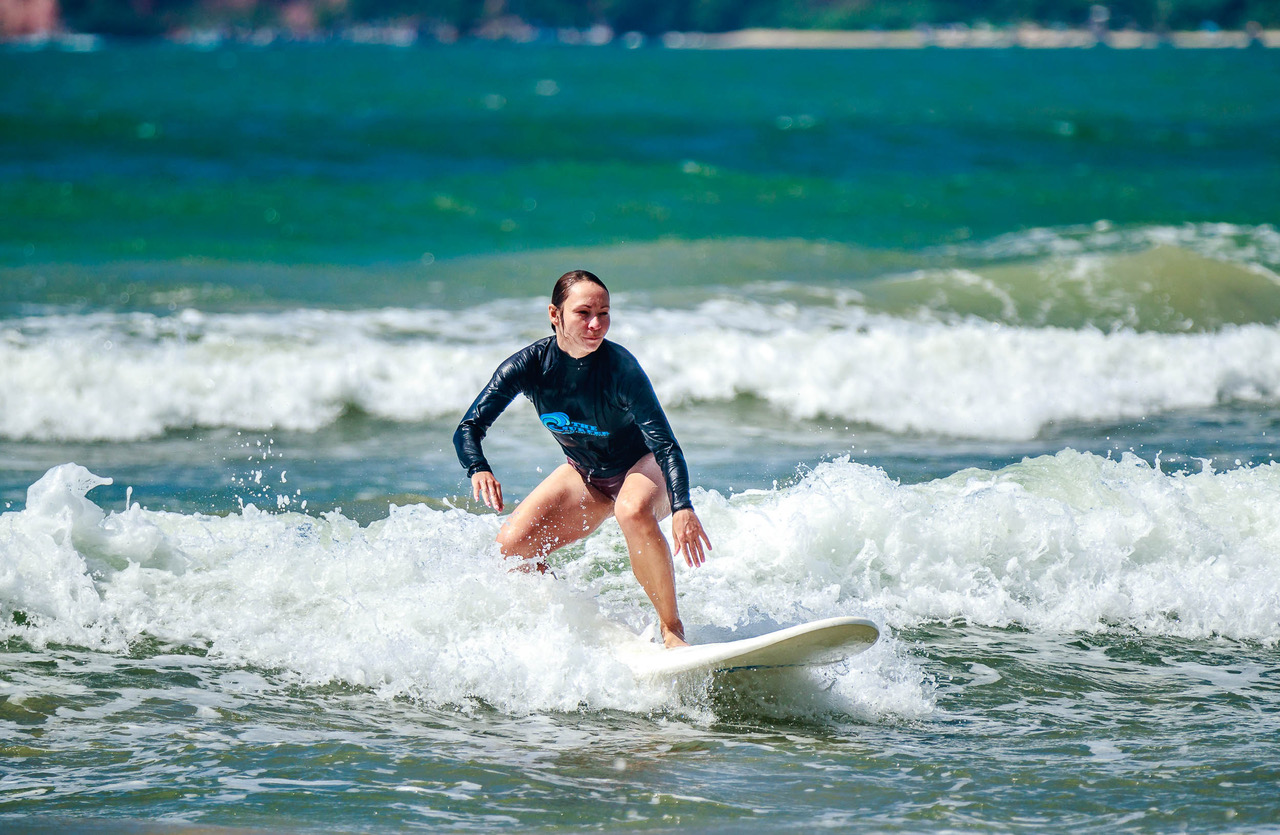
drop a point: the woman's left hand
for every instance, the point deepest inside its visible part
(689, 537)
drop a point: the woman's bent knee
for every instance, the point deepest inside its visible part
(507, 541)
(632, 512)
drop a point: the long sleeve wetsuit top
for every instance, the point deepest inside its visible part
(601, 409)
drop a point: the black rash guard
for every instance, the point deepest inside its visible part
(600, 408)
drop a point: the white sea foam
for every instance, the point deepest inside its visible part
(419, 604)
(973, 379)
(106, 377)
(1059, 543)
(122, 377)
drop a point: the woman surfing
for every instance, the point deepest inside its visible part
(622, 459)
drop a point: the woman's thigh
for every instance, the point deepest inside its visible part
(644, 492)
(559, 511)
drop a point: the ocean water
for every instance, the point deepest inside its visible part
(982, 345)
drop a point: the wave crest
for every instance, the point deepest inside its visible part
(131, 377)
(1164, 289)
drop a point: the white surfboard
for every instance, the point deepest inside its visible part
(812, 644)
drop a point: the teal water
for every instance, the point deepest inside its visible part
(347, 154)
(983, 345)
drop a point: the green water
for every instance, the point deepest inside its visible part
(369, 155)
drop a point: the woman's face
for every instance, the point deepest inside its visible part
(583, 320)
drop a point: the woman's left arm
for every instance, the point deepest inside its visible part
(686, 528)
(652, 422)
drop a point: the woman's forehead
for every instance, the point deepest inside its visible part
(586, 292)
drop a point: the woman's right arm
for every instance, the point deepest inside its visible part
(488, 405)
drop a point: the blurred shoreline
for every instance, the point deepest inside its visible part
(1027, 36)
(953, 36)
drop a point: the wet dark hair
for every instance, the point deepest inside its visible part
(561, 291)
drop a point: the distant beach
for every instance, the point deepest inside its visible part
(951, 36)
(1027, 36)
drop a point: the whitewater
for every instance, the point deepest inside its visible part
(123, 377)
(420, 604)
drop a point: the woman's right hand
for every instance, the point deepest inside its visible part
(486, 488)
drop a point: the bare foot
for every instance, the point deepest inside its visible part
(672, 638)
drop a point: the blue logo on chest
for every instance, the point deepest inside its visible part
(559, 423)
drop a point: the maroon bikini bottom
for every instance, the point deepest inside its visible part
(608, 486)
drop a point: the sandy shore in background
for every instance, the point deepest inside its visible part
(1030, 37)
(958, 36)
